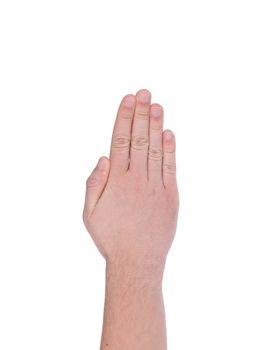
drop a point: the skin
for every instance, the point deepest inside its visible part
(131, 209)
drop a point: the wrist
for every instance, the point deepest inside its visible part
(135, 273)
(134, 308)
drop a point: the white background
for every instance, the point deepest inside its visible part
(64, 66)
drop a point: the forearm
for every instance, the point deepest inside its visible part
(134, 316)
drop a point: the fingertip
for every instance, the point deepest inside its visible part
(128, 101)
(103, 163)
(156, 105)
(169, 140)
(143, 91)
(168, 134)
(156, 110)
(143, 96)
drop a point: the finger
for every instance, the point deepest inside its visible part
(169, 159)
(120, 144)
(95, 185)
(140, 134)
(155, 147)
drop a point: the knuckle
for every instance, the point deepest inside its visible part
(142, 114)
(155, 153)
(156, 128)
(169, 167)
(121, 142)
(126, 115)
(140, 142)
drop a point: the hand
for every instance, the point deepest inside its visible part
(131, 203)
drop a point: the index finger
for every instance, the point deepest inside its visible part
(121, 138)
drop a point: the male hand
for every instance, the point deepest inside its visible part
(131, 203)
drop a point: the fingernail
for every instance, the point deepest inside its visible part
(129, 101)
(168, 135)
(144, 96)
(156, 112)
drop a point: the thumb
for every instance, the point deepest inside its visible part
(95, 185)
